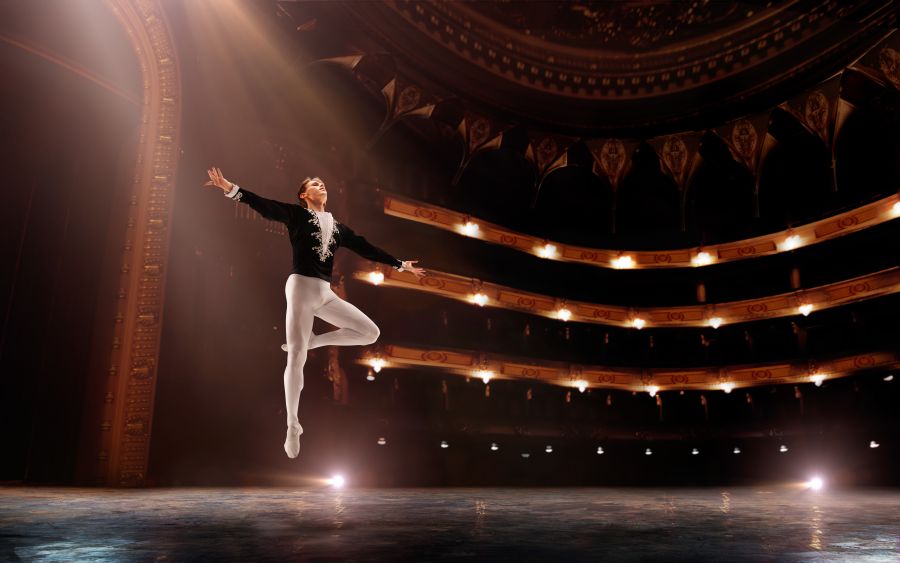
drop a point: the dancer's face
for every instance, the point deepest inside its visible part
(314, 191)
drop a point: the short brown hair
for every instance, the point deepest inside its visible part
(302, 189)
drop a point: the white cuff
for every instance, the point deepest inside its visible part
(234, 190)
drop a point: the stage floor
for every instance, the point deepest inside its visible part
(492, 524)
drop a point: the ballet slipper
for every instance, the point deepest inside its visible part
(292, 441)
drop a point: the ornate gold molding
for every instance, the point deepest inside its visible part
(131, 382)
(863, 217)
(726, 378)
(865, 287)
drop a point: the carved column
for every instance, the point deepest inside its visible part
(131, 381)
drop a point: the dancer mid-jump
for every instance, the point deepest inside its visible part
(315, 235)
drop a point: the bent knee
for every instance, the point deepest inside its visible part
(371, 333)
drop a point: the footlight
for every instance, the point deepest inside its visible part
(336, 481)
(816, 483)
(376, 278)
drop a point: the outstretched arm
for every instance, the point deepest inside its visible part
(268, 208)
(364, 248)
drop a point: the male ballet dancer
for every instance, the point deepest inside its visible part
(315, 236)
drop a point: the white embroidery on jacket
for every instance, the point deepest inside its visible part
(324, 251)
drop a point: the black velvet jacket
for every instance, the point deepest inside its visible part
(311, 258)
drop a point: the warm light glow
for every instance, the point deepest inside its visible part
(638, 323)
(470, 229)
(581, 385)
(376, 277)
(549, 449)
(623, 262)
(485, 375)
(479, 299)
(873, 444)
(494, 447)
(648, 452)
(444, 444)
(382, 441)
(791, 242)
(652, 389)
(737, 450)
(817, 378)
(816, 483)
(599, 450)
(695, 451)
(547, 251)
(895, 210)
(564, 314)
(727, 387)
(715, 322)
(702, 259)
(805, 309)
(336, 481)
(377, 364)
(783, 448)
(889, 378)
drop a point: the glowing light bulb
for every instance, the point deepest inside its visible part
(652, 389)
(549, 449)
(470, 229)
(376, 278)
(715, 322)
(805, 309)
(564, 314)
(727, 387)
(547, 251)
(791, 242)
(648, 451)
(444, 444)
(638, 323)
(702, 259)
(581, 385)
(816, 483)
(623, 262)
(382, 441)
(480, 299)
(336, 481)
(873, 444)
(895, 210)
(782, 448)
(695, 451)
(370, 377)
(494, 447)
(889, 377)
(485, 375)
(817, 378)
(737, 450)
(377, 364)
(599, 450)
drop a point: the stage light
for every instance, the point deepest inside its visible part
(370, 376)
(336, 481)
(444, 444)
(895, 210)
(485, 375)
(695, 451)
(382, 441)
(817, 378)
(715, 322)
(622, 262)
(791, 242)
(782, 448)
(479, 299)
(549, 449)
(816, 483)
(494, 446)
(469, 229)
(805, 309)
(648, 452)
(638, 323)
(889, 378)
(737, 450)
(547, 251)
(377, 364)
(581, 385)
(564, 314)
(873, 444)
(376, 277)
(599, 450)
(702, 259)
(727, 387)
(652, 389)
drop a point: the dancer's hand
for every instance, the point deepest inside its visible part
(408, 266)
(216, 179)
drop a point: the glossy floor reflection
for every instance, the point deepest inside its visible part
(729, 524)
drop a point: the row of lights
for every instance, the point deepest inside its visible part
(626, 261)
(648, 451)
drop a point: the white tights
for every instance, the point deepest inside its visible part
(307, 298)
